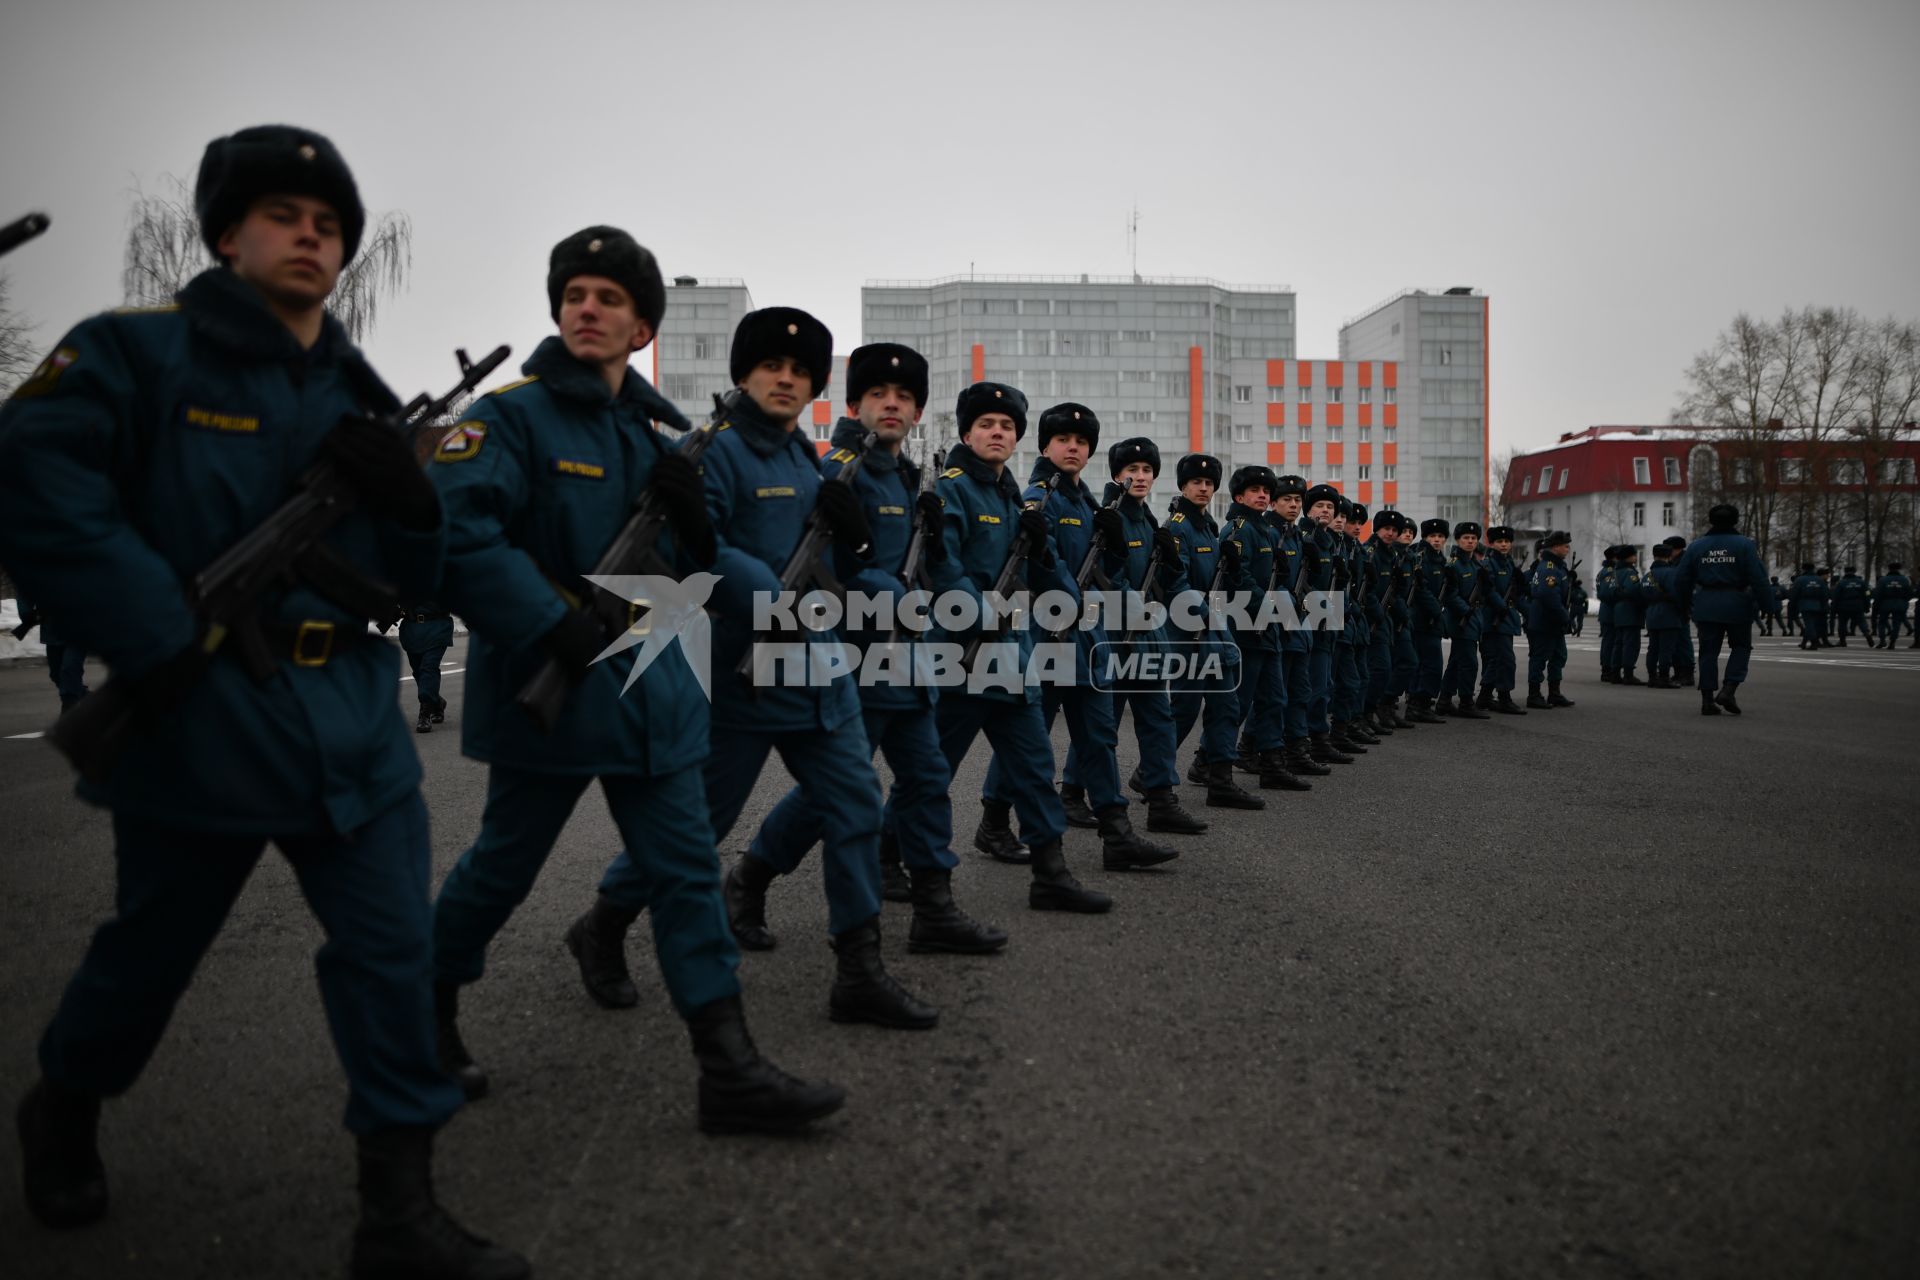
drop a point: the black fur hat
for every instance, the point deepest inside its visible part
(1466, 527)
(1675, 543)
(991, 397)
(782, 331)
(1557, 538)
(1357, 514)
(879, 363)
(1806, 568)
(609, 252)
(1439, 524)
(274, 159)
(1289, 484)
(1197, 466)
(1723, 516)
(1499, 533)
(1128, 452)
(1252, 477)
(1074, 419)
(1321, 493)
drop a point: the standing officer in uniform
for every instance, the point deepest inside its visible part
(1850, 604)
(886, 392)
(225, 399)
(1603, 588)
(1627, 590)
(1466, 610)
(538, 481)
(1406, 661)
(426, 633)
(1349, 650)
(1263, 682)
(1665, 622)
(1376, 557)
(1890, 596)
(66, 663)
(983, 515)
(1432, 593)
(1683, 660)
(1770, 619)
(1320, 504)
(1548, 593)
(1810, 596)
(1208, 558)
(1719, 582)
(1500, 622)
(1296, 642)
(1135, 464)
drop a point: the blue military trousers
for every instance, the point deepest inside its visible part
(1093, 732)
(1379, 658)
(1739, 641)
(1406, 662)
(426, 677)
(1546, 656)
(1498, 669)
(1428, 668)
(1152, 733)
(1296, 668)
(174, 888)
(1463, 662)
(1263, 696)
(1017, 732)
(674, 875)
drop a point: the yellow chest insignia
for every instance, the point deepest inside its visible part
(1177, 518)
(984, 518)
(774, 491)
(890, 511)
(1136, 542)
(245, 424)
(1070, 520)
(576, 467)
(460, 443)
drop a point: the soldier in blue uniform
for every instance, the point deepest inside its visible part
(1683, 657)
(1665, 621)
(1135, 464)
(1323, 574)
(1627, 590)
(1603, 588)
(1432, 594)
(1211, 563)
(538, 480)
(1406, 661)
(1068, 434)
(1810, 596)
(66, 663)
(225, 399)
(1296, 642)
(1263, 682)
(886, 393)
(1500, 622)
(1721, 583)
(1345, 733)
(1376, 655)
(426, 633)
(1849, 607)
(1890, 596)
(1771, 619)
(1466, 608)
(983, 514)
(1549, 591)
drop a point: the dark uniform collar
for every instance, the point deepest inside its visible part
(1193, 511)
(762, 434)
(980, 469)
(574, 379)
(850, 434)
(1043, 467)
(232, 314)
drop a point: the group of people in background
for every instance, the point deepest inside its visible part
(1824, 611)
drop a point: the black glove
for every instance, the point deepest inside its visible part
(576, 641)
(1230, 553)
(1167, 546)
(840, 506)
(1034, 528)
(378, 462)
(161, 688)
(1108, 527)
(929, 511)
(683, 496)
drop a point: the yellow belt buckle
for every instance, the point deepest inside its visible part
(301, 657)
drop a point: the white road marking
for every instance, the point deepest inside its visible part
(445, 671)
(16, 737)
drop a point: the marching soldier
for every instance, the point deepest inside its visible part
(1500, 622)
(538, 481)
(886, 393)
(1664, 620)
(1432, 592)
(1721, 582)
(1849, 607)
(1211, 563)
(1549, 595)
(426, 633)
(1466, 609)
(1810, 595)
(226, 398)
(1890, 596)
(1349, 672)
(1263, 687)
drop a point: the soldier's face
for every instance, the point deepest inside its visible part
(288, 247)
(1468, 541)
(1138, 477)
(1406, 537)
(1068, 450)
(1257, 498)
(597, 321)
(888, 410)
(1338, 524)
(1502, 545)
(1438, 541)
(1321, 512)
(1288, 505)
(780, 385)
(992, 437)
(1198, 491)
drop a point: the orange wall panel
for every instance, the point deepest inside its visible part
(1276, 414)
(1276, 455)
(1366, 493)
(1366, 373)
(821, 446)
(1366, 414)
(1389, 373)
(1306, 455)
(1303, 418)
(1336, 372)
(1389, 491)
(1276, 373)
(1336, 454)
(822, 413)
(1196, 401)
(979, 363)
(1303, 373)
(1336, 415)
(1390, 454)
(1366, 453)
(1389, 415)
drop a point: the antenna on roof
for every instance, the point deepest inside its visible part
(1133, 240)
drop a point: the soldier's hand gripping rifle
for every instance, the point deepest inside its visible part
(225, 596)
(29, 619)
(1017, 555)
(633, 551)
(1149, 581)
(913, 565)
(807, 566)
(1090, 570)
(21, 230)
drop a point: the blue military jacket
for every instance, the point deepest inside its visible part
(1550, 592)
(1259, 541)
(1850, 594)
(887, 483)
(982, 509)
(1892, 592)
(1139, 526)
(1810, 592)
(1627, 589)
(1505, 581)
(1353, 570)
(148, 443)
(1069, 509)
(1200, 547)
(1715, 575)
(538, 479)
(1289, 552)
(1432, 589)
(1662, 597)
(1603, 588)
(1464, 575)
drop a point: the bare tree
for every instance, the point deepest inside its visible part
(1744, 386)
(1499, 511)
(1889, 388)
(164, 251)
(16, 343)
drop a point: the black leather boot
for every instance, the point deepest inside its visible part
(994, 836)
(740, 1091)
(1122, 850)
(939, 925)
(894, 884)
(404, 1234)
(598, 941)
(425, 723)
(1441, 706)
(1726, 699)
(1628, 676)
(454, 1058)
(1275, 776)
(1338, 739)
(1197, 772)
(1357, 732)
(1378, 722)
(1504, 704)
(1485, 700)
(1074, 799)
(1417, 710)
(1683, 677)
(745, 892)
(1165, 814)
(863, 990)
(1246, 759)
(1661, 682)
(1224, 793)
(440, 711)
(1400, 721)
(1554, 697)
(1055, 889)
(1300, 761)
(1707, 705)
(1467, 711)
(1535, 701)
(61, 1172)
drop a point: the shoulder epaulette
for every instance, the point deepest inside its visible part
(1178, 517)
(952, 473)
(514, 385)
(840, 455)
(162, 309)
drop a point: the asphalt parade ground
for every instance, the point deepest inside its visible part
(1616, 991)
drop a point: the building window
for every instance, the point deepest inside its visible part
(1276, 395)
(1333, 435)
(1639, 515)
(1366, 395)
(1846, 471)
(1366, 433)
(1546, 479)
(1792, 470)
(1243, 395)
(1666, 513)
(1389, 395)
(1386, 471)
(1740, 471)
(1564, 473)
(1306, 435)
(705, 347)
(1526, 486)
(1306, 394)
(1896, 471)
(1672, 468)
(1276, 435)
(1333, 475)
(1364, 471)
(1242, 432)
(1333, 395)
(1642, 472)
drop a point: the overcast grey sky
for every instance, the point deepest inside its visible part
(1620, 178)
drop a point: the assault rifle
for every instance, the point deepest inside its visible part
(632, 551)
(225, 596)
(21, 230)
(1090, 570)
(1017, 554)
(807, 565)
(913, 568)
(1149, 580)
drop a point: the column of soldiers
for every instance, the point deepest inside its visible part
(153, 440)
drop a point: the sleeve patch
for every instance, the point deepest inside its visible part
(46, 374)
(462, 442)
